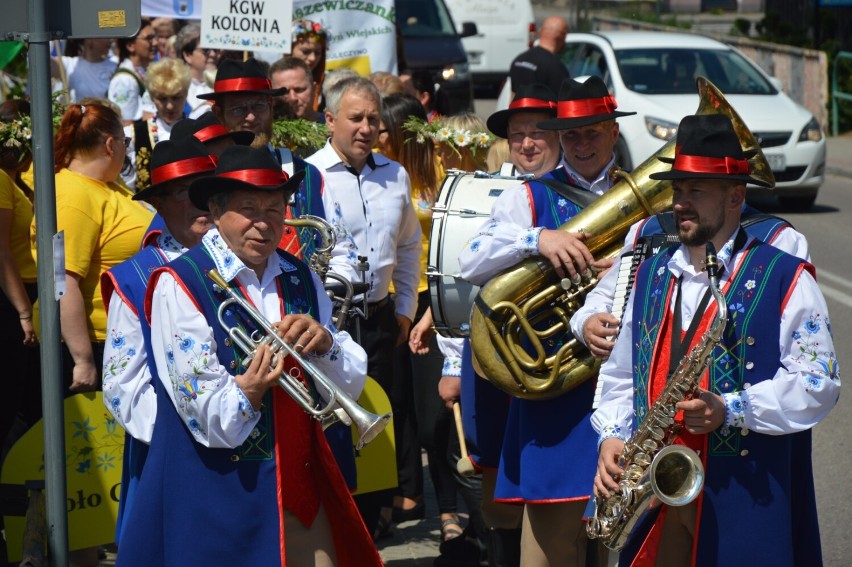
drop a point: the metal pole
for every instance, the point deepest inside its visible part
(45, 210)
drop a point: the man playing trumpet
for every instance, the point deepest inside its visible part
(238, 473)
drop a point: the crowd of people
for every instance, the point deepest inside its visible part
(173, 189)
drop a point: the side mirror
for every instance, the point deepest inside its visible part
(469, 29)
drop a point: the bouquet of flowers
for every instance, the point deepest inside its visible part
(436, 131)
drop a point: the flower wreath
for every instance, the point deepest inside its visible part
(455, 139)
(18, 133)
(309, 29)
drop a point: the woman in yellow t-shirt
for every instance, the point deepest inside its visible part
(419, 366)
(17, 269)
(103, 227)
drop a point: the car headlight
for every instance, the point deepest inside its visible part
(811, 132)
(662, 129)
(456, 72)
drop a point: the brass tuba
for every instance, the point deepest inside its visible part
(526, 307)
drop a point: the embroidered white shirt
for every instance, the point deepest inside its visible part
(373, 216)
(128, 393)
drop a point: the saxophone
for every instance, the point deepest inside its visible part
(655, 471)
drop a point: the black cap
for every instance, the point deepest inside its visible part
(583, 104)
(243, 168)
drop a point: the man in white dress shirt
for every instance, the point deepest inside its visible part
(772, 377)
(367, 199)
(224, 426)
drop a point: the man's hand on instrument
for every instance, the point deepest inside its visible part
(449, 388)
(608, 456)
(598, 333)
(404, 328)
(704, 413)
(421, 334)
(259, 377)
(602, 266)
(304, 334)
(566, 251)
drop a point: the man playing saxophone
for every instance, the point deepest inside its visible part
(548, 444)
(237, 472)
(773, 376)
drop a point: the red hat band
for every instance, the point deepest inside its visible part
(242, 84)
(585, 107)
(702, 164)
(181, 168)
(531, 103)
(210, 132)
(260, 177)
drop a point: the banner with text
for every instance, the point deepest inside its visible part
(250, 25)
(361, 34)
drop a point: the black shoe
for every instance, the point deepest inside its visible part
(417, 513)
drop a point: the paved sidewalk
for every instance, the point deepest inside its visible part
(839, 155)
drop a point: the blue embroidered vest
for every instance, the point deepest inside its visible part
(551, 209)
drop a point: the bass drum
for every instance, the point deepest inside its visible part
(463, 204)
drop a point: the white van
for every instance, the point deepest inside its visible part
(506, 28)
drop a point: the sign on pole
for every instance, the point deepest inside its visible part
(250, 25)
(89, 18)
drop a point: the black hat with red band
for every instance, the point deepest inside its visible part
(708, 148)
(243, 168)
(207, 128)
(172, 160)
(241, 77)
(583, 104)
(528, 98)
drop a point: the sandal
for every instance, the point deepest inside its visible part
(450, 529)
(384, 529)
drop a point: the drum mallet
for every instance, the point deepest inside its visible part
(464, 466)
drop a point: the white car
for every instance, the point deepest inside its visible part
(653, 74)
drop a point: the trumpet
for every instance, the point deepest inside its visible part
(339, 406)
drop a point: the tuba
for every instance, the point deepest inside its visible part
(526, 307)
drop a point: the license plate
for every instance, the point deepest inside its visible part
(777, 162)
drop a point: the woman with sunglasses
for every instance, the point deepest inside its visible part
(127, 86)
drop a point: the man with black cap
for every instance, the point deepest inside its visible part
(128, 371)
(771, 378)
(208, 130)
(548, 445)
(232, 455)
(533, 151)
(243, 100)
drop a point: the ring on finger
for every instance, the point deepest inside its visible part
(299, 347)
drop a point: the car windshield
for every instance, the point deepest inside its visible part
(421, 18)
(673, 71)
